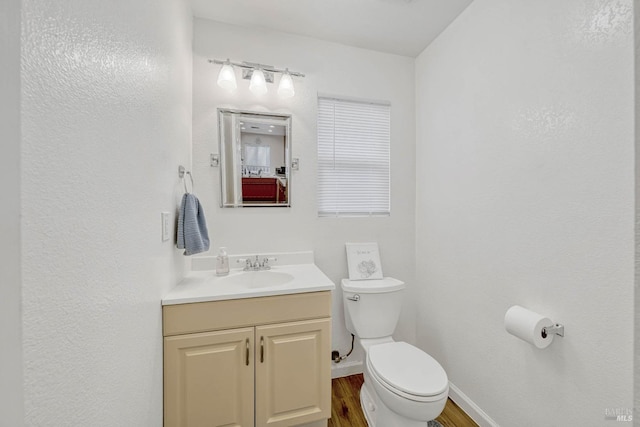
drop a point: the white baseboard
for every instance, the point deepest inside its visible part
(468, 406)
(344, 369)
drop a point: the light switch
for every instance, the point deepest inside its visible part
(166, 226)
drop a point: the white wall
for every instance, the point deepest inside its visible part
(106, 120)
(636, 366)
(330, 68)
(525, 196)
(11, 406)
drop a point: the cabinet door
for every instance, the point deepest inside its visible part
(293, 373)
(208, 379)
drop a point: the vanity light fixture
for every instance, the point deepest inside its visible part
(259, 74)
(285, 89)
(258, 83)
(227, 76)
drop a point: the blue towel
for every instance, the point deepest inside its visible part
(193, 236)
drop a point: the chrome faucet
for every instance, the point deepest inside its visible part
(265, 263)
(248, 265)
(256, 264)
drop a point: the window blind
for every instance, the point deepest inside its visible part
(353, 158)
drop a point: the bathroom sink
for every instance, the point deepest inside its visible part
(292, 273)
(257, 279)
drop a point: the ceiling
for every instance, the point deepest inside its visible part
(403, 27)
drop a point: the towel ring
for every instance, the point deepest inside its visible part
(181, 172)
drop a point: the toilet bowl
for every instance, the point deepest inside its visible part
(407, 381)
(403, 385)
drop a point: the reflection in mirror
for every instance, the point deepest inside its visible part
(254, 158)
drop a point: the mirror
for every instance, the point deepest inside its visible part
(255, 158)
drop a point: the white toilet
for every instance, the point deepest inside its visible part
(403, 385)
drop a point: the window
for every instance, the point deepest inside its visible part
(257, 158)
(353, 157)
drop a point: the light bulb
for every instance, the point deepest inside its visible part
(258, 83)
(227, 77)
(285, 89)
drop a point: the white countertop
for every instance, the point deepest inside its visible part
(203, 286)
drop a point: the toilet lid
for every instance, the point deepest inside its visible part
(408, 369)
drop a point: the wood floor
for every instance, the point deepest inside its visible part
(346, 411)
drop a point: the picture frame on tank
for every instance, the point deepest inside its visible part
(363, 260)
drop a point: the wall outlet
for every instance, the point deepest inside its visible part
(166, 225)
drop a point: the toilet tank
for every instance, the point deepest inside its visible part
(377, 309)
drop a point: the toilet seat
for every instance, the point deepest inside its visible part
(407, 371)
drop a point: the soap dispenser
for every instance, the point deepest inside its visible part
(222, 262)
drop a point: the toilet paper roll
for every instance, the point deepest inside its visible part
(527, 325)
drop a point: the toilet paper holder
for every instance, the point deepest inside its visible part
(557, 329)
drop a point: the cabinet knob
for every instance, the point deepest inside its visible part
(261, 349)
(247, 356)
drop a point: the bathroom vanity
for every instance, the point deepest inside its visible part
(243, 351)
(267, 189)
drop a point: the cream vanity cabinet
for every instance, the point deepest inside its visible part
(248, 362)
